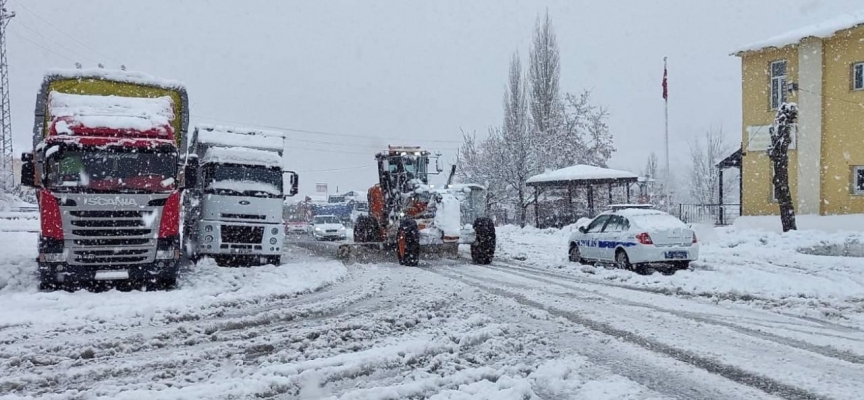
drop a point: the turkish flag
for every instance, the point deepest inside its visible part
(665, 85)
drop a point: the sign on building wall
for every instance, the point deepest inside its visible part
(760, 138)
(321, 187)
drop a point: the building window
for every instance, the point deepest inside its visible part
(858, 179)
(858, 76)
(778, 84)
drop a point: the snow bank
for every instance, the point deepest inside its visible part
(448, 215)
(112, 112)
(245, 186)
(242, 156)
(241, 137)
(823, 223)
(823, 29)
(580, 172)
(205, 289)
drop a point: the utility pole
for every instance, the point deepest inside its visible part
(6, 154)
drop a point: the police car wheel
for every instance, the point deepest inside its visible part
(576, 254)
(622, 261)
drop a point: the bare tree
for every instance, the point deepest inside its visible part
(476, 164)
(585, 137)
(544, 72)
(705, 153)
(781, 138)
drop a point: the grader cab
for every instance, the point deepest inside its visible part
(406, 214)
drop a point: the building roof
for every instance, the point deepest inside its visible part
(581, 174)
(824, 29)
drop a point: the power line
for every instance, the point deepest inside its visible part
(336, 169)
(53, 42)
(41, 46)
(21, 4)
(320, 132)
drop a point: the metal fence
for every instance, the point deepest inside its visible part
(716, 214)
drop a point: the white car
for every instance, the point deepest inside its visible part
(633, 238)
(327, 227)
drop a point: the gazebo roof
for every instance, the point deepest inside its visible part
(581, 175)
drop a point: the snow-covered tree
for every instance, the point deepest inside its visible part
(585, 137)
(544, 72)
(476, 164)
(705, 153)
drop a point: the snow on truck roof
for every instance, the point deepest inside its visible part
(242, 156)
(240, 137)
(134, 77)
(581, 172)
(110, 112)
(824, 29)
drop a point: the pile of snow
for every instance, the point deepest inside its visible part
(241, 137)
(111, 112)
(581, 172)
(9, 201)
(242, 156)
(822, 223)
(245, 186)
(824, 29)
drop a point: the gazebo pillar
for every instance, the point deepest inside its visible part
(536, 206)
(590, 200)
(628, 193)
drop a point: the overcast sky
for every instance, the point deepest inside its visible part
(372, 73)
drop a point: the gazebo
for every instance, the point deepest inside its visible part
(581, 176)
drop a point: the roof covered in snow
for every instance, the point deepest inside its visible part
(242, 156)
(584, 174)
(824, 29)
(135, 77)
(110, 112)
(240, 137)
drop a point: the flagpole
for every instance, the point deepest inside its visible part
(666, 112)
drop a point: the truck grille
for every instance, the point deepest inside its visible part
(242, 234)
(244, 216)
(110, 237)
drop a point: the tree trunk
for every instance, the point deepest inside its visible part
(781, 138)
(522, 207)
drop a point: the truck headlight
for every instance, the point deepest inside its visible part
(319, 230)
(273, 241)
(208, 238)
(54, 257)
(342, 228)
(208, 228)
(167, 254)
(274, 231)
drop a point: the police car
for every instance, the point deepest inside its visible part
(634, 236)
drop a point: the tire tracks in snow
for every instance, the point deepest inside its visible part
(826, 351)
(733, 373)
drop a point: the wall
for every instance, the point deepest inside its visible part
(842, 123)
(756, 111)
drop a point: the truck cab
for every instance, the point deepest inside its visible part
(104, 164)
(235, 196)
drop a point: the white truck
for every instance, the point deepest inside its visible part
(233, 201)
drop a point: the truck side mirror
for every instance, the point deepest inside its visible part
(190, 173)
(294, 180)
(28, 170)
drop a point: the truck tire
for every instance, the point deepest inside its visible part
(408, 243)
(483, 248)
(47, 282)
(361, 229)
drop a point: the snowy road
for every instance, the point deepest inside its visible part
(315, 328)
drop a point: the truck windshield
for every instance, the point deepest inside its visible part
(326, 219)
(114, 168)
(244, 180)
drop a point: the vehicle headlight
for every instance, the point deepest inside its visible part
(208, 238)
(319, 230)
(167, 254)
(341, 228)
(274, 231)
(273, 241)
(54, 257)
(208, 228)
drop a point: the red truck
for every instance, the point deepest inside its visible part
(105, 166)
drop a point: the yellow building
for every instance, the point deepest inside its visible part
(821, 68)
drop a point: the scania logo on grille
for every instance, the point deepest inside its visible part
(244, 202)
(110, 201)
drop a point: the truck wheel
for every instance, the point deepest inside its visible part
(168, 281)
(361, 229)
(47, 283)
(408, 243)
(275, 260)
(483, 248)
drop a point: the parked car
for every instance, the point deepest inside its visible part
(633, 238)
(296, 226)
(327, 227)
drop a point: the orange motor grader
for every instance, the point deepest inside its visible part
(406, 214)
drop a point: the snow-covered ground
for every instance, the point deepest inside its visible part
(763, 269)
(755, 319)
